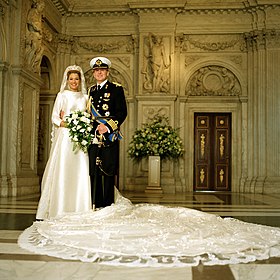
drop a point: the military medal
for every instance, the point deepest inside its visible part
(105, 107)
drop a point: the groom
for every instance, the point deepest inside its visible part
(107, 105)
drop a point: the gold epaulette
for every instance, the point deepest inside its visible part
(117, 84)
(90, 88)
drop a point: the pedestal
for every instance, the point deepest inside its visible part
(154, 175)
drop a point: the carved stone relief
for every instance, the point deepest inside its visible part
(156, 64)
(210, 43)
(261, 39)
(150, 111)
(124, 44)
(65, 43)
(2, 8)
(213, 81)
(273, 39)
(34, 35)
(191, 59)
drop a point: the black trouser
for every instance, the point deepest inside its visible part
(102, 190)
(103, 163)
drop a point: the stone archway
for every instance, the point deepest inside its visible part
(45, 109)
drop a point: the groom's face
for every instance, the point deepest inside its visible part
(100, 74)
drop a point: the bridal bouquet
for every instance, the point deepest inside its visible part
(156, 137)
(80, 127)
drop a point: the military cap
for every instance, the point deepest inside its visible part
(100, 62)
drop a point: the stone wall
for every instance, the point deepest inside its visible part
(172, 57)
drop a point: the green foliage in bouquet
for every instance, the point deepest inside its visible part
(156, 137)
(80, 127)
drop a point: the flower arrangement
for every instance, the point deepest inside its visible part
(80, 127)
(156, 137)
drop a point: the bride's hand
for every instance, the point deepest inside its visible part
(61, 115)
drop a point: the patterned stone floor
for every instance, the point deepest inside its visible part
(16, 214)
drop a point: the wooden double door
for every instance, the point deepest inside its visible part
(212, 157)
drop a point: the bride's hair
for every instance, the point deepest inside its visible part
(73, 72)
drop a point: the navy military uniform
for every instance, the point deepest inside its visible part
(109, 107)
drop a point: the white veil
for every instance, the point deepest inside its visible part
(64, 79)
(64, 86)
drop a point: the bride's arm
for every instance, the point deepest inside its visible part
(57, 116)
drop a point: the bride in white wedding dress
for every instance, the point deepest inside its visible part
(151, 235)
(66, 182)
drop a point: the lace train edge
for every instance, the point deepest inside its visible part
(31, 240)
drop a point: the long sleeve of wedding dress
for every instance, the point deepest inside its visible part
(151, 235)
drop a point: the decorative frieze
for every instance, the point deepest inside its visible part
(106, 44)
(65, 43)
(210, 43)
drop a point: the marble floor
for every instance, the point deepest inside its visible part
(16, 214)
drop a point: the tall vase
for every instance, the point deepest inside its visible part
(154, 175)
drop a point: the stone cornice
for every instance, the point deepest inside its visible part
(156, 97)
(196, 10)
(62, 6)
(182, 6)
(157, 4)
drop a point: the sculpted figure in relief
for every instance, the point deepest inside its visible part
(155, 65)
(34, 35)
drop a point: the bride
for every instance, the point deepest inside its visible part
(151, 235)
(66, 182)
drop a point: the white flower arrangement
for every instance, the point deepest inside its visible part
(80, 127)
(156, 137)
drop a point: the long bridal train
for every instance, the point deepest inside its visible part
(151, 235)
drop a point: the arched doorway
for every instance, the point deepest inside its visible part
(214, 110)
(45, 109)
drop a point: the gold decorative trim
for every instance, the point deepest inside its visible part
(112, 124)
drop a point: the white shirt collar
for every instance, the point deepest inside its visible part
(102, 84)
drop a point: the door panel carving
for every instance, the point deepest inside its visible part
(212, 162)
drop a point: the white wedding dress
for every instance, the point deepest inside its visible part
(66, 183)
(151, 235)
